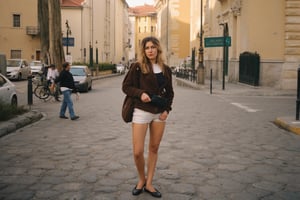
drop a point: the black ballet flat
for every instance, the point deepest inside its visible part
(136, 192)
(155, 194)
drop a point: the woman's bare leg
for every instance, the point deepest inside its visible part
(138, 140)
(156, 134)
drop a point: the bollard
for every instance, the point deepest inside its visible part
(298, 94)
(210, 81)
(29, 91)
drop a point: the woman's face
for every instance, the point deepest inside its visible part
(151, 51)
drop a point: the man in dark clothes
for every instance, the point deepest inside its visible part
(67, 85)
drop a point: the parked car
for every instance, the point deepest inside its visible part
(82, 77)
(36, 67)
(8, 92)
(17, 69)
(120, 68)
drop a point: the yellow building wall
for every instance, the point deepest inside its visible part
(179, 34)
(262, 28)
(143, 29)
(16, 38)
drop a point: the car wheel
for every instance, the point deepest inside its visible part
(90, 88)
(19, 77)
(14, 101)
(87, 88)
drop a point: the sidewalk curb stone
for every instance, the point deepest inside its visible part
(19, 122)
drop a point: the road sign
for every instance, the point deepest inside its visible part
(68, 41)
(217, 41)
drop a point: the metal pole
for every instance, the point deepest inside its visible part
(225, 53)
(298, 95)
(29, 91)
(210, 81)
(200, 70)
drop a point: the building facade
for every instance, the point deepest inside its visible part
(173, 29)
(90, 26)
(99, 29)
(145, 24)
(19, 32)
(269, 28)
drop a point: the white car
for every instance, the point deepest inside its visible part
(8, 92)
(17, 69)
(120, 68)
(36, 67)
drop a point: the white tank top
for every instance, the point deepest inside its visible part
(156, 69)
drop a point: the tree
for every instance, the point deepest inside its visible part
(49, 16)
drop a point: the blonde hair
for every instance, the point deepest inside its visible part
(143, 59)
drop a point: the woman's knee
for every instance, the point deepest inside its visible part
(138, 154)
(153, 148)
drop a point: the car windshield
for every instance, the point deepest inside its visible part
(35, 64)
(77, 71)
(13, 63)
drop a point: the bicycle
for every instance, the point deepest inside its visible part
(42, 89)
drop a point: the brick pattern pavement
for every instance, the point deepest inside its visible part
(210, 150)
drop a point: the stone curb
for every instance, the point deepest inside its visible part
(289, 124)
(19, 122)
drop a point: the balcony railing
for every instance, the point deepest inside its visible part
(32, 30)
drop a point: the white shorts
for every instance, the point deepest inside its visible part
(143, 117)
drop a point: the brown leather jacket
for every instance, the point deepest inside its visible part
(135, 83)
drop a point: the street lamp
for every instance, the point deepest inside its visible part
(225, 53)
(68, 33)
(200, 70)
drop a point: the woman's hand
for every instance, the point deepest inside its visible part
(145, 98)
(163, 116)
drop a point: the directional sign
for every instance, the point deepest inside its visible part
(217, 41)
(68, 41)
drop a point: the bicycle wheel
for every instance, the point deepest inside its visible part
(41, 92)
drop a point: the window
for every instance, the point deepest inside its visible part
(16, 20)
(15, 54)
(145, 19)
(145, 29)
(139, 29)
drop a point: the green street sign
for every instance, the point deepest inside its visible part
(217, 41)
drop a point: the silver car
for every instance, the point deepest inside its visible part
(17, 69)
(8, 92)
(36, 67)
(82, 77)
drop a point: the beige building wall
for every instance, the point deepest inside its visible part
(101, 25)
(267, 27)
(75, 20)
(24, 38)
(174, 29)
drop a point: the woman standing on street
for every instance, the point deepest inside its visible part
(154, 97)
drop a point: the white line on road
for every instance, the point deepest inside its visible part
(246, 108)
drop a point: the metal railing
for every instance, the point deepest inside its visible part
(187, 74)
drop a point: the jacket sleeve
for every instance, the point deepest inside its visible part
(130, 85)
(170, 91)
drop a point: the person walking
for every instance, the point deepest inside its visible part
(52, 74)
(153, 100)
(67, 86)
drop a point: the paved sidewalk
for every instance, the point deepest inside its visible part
(286, 122)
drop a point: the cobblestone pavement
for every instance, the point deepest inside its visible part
(216, 146)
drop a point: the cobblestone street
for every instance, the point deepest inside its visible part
(220, 146)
